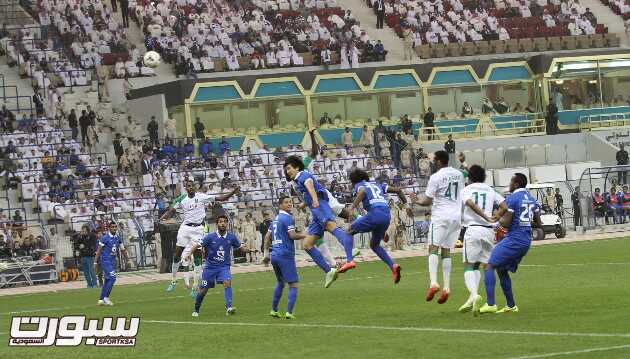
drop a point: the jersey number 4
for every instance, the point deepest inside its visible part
(451, 191)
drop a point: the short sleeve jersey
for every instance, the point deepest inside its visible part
(445, 188)
(282, 245)
(484, 197)
(194, 209)
(217, 248)
(375, 194)
(110, 245)
(523, 207)
(300, 184)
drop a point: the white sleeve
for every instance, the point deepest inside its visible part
(208, 198)
(498, 199)
(431, 188)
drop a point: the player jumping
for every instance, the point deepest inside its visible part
(322, 218)
(283, 233)
(443, 194)
(479, 200)
(192, 229)
(108, 245)
(217, 247)
(520, 212)
(376, 221)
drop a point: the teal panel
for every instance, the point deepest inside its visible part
(453, 77)
(235, 142)
(333, 135)
(464, 125)
(282, 139)
(395, 81)
(337, 85)
(510, 73)
(288, 88)
(217, 93)
(571, 117)
(505, 122)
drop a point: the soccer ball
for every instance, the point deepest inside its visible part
(152, 59)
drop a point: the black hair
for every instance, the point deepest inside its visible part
(294, 161)
(222, 215)
(477, 174)
(442, 156)
(282, 198)
(520, 179)
(358, 175)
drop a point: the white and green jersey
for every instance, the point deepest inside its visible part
(194, 209)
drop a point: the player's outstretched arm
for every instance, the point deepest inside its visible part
(423, 200)
(310, 187)
(502, 209)
(227, 196)
(295, 236)
(267, 240)
(314, 145)
(537, 223)
(168, 214)
(97, 256)
(506, 219)
(358, 199)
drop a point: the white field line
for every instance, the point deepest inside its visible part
(400, 329)
(549, 355)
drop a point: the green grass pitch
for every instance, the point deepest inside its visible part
(574, 301)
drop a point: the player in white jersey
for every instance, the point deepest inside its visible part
(193, 206)
(479, 201)
(443, 194)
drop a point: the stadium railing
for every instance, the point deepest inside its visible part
(604, 120)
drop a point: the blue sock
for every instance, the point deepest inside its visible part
(198, 301)
(110, 286)
(103, 290)
(292, 299)
(227, 295)
(318, 259)
(346, 241)
(506, 285)
(490, 281)
(382, 254)
(277, 294)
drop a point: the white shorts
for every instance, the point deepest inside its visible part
(186, 234)
(444, 233)
(478, 244)
(336, 206)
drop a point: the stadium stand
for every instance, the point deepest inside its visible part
(440, 29)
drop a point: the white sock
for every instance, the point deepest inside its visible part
(471, 283)
(446, 272)
(433, 268)
(266, 253)
(477, 279)
(196, 276)
(187, 278)
(325, 251)
(174, 269)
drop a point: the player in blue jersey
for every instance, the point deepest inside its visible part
(108, 247)
(217, 248)
(518, 216)
(282, 234)
(373, 196)
(322, 217)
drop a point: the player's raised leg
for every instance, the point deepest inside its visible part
(325, 250)
(177, 261)
(318, 258)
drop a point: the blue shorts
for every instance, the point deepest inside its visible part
(508, 253)
(210, 276)
(109, 270)
(375, 221)
(319, 217)
(285, 269)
